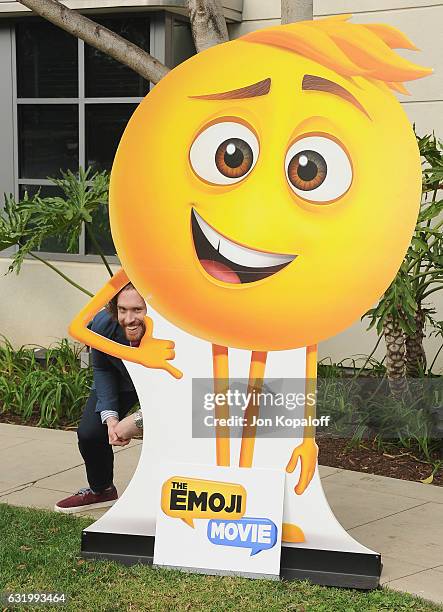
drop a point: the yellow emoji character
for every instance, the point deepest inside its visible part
(263, 196)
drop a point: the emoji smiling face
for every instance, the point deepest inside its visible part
(260, 200)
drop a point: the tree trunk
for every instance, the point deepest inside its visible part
(415, 353)
(99, 37)
(395, 356)
(296, 10)
(208, 23)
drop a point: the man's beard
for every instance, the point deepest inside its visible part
(135, 335)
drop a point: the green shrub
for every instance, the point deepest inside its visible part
(54, 392)
(362, 408)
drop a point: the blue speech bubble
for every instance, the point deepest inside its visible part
(248, 532)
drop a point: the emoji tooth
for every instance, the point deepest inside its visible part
(211, 235)
(238, 254)
(249, 257)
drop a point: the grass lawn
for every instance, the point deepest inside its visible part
(40, 552)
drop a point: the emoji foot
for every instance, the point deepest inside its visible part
(292, 533)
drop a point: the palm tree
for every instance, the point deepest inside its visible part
(402, 312)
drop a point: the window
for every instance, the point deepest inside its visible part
(182, 42)
(73, 103)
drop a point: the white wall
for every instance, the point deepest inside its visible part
(37, 306)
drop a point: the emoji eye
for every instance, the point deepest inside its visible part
(307, 170)
(224, 153)
(318, 169)
(234, 158)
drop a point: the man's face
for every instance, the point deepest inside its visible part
(131, 309)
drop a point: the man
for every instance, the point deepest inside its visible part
(112, 396)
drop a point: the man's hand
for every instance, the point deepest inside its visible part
(156, 353)
(113, 436)
(127, 428)
(307, 452)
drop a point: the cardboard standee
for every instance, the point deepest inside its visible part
(252, 206)
(329, 555)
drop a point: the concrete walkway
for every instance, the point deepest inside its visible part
(400, 519)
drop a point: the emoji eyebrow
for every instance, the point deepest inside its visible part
(315, 83)
(250, 91)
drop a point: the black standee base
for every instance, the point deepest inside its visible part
(325, 567)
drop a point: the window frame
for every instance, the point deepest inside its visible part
(160, 47)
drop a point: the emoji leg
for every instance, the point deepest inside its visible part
(256, 376)
(220, 365)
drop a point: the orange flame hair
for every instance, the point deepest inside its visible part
(348, 48)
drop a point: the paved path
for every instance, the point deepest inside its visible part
(400, 519)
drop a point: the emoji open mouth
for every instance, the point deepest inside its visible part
(230, 262)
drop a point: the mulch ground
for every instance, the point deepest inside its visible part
(395, 462)
(335, 452)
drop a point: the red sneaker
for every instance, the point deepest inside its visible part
(86, 499)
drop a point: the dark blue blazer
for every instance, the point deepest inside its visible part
(110, 375)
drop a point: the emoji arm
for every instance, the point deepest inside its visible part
(307, 451)
(78, 327)
(151, 353)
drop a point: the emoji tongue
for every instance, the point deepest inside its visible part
(220, 271)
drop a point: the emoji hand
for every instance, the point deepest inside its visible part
(307, 452)
(156, 353)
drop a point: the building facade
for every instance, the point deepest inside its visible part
(63, 105)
